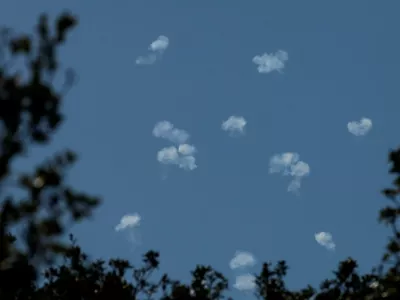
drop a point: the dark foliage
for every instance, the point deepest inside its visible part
(30, 115)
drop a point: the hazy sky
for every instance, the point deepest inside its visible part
(226, 127)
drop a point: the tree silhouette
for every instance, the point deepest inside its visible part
(30, 115)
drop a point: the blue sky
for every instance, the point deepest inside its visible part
(343, 61)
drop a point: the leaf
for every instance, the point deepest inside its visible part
(70, 156)
(21, 45)
(387, 215)
(64, 23)
(40, 136)
(50, 227)
(390, 193)
(393, 246)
